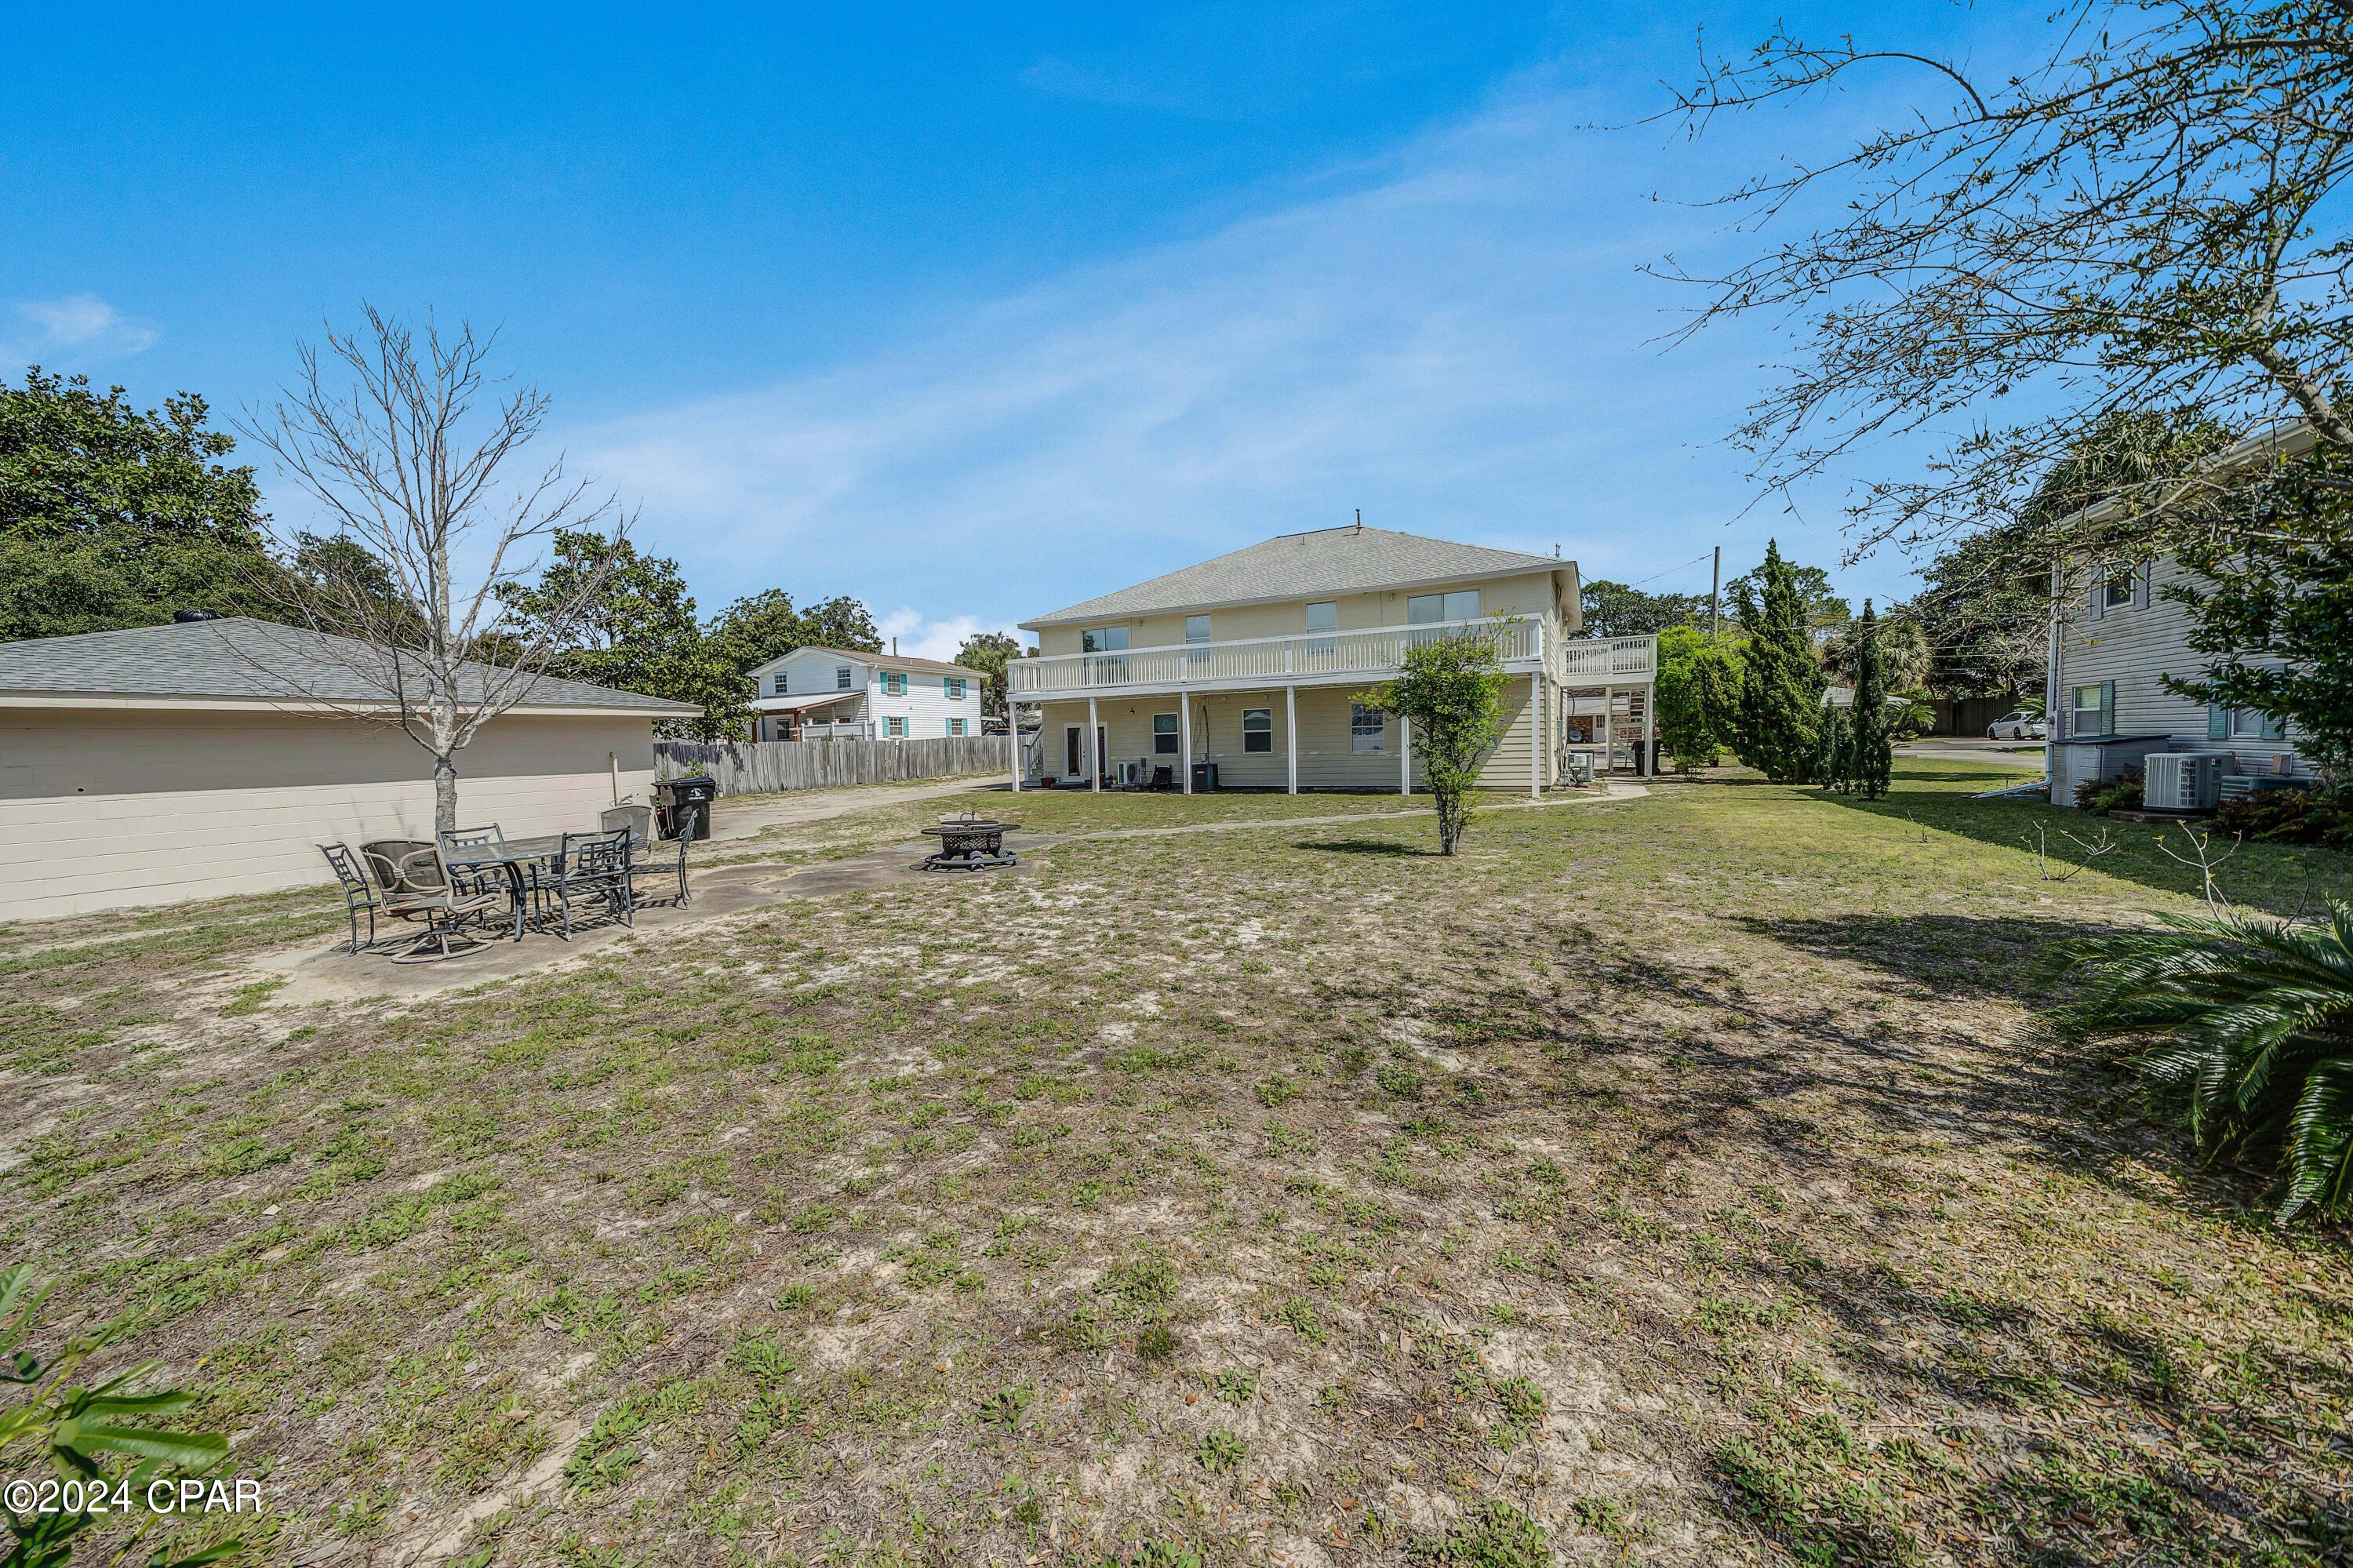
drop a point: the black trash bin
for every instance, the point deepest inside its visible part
(698, 792)
(1205, 778)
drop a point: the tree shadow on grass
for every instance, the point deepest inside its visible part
(1361, 846)
(2279, 879)
(1942, 955)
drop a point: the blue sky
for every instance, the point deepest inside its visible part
(969, 314)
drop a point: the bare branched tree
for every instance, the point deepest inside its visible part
(385, 431)
(2152, 218)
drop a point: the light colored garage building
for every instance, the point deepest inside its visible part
(171, 762)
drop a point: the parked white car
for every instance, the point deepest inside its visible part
(2019, 726)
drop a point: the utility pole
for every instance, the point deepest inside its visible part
(1716, 594)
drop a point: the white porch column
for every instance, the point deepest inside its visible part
(1013, 737)
(1184, 728)
(1535, 735)
(1094, 763)
(1405, 755)
(1291, 736)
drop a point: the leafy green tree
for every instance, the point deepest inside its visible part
(1450, 690)
(1870, 758)
(988, 652)
(1780, 681)
(1698, 695)
(1613, 609)
(1826, 612)
(112, 517)
(1834, 749)
(2274, 612)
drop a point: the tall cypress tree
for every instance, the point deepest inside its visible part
(1873, 759)
(1781, 683)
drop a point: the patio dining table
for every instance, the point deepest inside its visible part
(515, 854)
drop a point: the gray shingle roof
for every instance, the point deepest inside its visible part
(895, 661)
(239, 658)
(1330, 561)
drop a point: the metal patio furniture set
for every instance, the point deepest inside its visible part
(474, 876)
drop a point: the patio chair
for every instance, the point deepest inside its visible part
(417, 885)
(663, 863)
(639, 820)
(360, 894)
(589, 869)
(458, 841)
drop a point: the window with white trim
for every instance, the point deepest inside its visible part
(955, 686)
(2119, 590)
(956, 727)
(1164, 735)
(896, 728)
(1367, 729)
(1197, 629)
(1258, 729)
(842, 677)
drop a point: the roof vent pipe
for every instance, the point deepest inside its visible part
(894, 648)
(182, 617)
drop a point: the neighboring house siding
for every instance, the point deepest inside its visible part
(103, 810)
(1327, 759)
(1532, 596)
(2135, 645)
(927, 708)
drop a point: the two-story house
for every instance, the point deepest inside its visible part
(2115, 639)
(817, 694)
(1250, 663)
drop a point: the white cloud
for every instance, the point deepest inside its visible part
(1454, 339)
(914, 634)
(77, 327)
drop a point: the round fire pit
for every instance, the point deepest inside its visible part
(970, 843)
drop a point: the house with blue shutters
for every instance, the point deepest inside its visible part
(820, 693)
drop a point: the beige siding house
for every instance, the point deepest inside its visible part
(169, 762)
(1249, 663)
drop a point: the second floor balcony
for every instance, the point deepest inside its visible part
(1327, 657)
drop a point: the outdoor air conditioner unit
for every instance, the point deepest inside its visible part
(2182, 781)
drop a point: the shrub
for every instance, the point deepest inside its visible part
(76, 1430)
(2254, 1022)
(2289, 817)
(2105, 795)
(1450, 690)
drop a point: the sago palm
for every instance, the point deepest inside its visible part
(2252, 1020)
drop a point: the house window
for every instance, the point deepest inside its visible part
(1197, 629)
(1164, 735)
(1422, 609)
(956, 727)
(2092, 710)
(896, 728)
(777, 683)
(2252, 723)
(1367, 728)
(1258, 729)
(842, 677)
(954, 684)
(1104, 639)
(2119, 590)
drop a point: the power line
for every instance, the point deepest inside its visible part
(1654, 577)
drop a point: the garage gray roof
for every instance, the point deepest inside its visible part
(1327, 561)
(237, 658)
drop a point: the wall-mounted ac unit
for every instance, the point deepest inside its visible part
(2182, 781)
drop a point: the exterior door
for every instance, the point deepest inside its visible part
(1072, 747)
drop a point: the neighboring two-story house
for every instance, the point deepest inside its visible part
(1251, 662)
(817, 693)
(2113, 645)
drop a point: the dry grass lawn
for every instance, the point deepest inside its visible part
(1667, 1180)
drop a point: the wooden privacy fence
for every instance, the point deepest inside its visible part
(759, 768)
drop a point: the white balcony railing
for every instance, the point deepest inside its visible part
(1311, 656)
(1600, 661)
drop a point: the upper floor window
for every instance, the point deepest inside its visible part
(1104, 639)
(1325, 616)
(2118, 592)
(780, 680)
(955, 686)
(1423, 609)
(894, 682)
(1197, 629)
(842, 677)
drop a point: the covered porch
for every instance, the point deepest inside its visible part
(825, 715)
